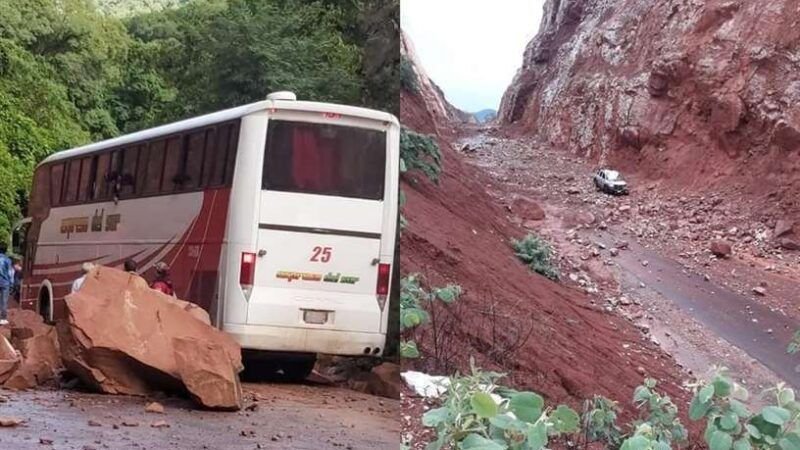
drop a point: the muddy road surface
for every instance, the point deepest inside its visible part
(277, 416)
(699, 308)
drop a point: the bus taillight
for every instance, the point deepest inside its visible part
(247, 271)
(382, 289)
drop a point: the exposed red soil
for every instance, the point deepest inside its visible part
(456, 233)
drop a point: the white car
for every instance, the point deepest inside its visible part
(610, 181)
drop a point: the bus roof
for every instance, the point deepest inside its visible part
(221, 116)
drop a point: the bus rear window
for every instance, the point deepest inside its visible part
(324, 159)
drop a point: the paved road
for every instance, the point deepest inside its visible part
(736, 318)
(287, 416)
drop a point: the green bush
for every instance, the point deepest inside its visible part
(420, 152)
(537, 254)
(408, 78)
(414, 300)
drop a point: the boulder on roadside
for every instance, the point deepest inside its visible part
(383, 380)
(122, 337)
(37, 344)
(721, 249)
(9, 359)
(527, 209)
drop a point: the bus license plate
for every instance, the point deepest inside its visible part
(315, 317)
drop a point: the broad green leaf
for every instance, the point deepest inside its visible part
(720, 441)
(436, 416)
(502, 421)
(437, 444)
(722, 387)
(636, 443)
(537, 436)
(641, 394)
(742, 444)
(408, 349)
(449, 294)
(739, 408)
(698, 409)
(729, 421)
(785, 396)
(527, 406)
(753, 431)
(477, 442)
(766, 429)
(791, 441)
(706, 393)
(565, 419)
(661, 446)
(483, 405)
(775, 415)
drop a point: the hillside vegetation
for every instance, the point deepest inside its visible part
(75, 71)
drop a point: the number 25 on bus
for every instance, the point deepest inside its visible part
(278, 217)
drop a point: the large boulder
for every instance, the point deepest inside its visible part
(9, 359)
(122, 337)
(37, 344)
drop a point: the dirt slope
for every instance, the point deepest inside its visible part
(697, 94)
(547, 336)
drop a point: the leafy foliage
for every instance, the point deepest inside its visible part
(74, 71)
(408, 78)
(537, 254)
(600, 421)
(414, 300)
(420, 152)
(477, 413)
(661, 426)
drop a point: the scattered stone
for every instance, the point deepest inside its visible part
(758, 290)
(154, 407)
(130, 423)
(645, 263)
(721, 249)
(573, 190)
(7, 421)
(614, 252)
(45, 441)
(624, 208)
(94, 423)
(160, 424)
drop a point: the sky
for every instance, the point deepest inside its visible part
(471, 48)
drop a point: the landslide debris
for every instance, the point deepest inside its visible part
(122, 337)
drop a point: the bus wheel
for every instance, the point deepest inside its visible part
(298, 369)
(45, 305)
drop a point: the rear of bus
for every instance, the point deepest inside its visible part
(312, 229)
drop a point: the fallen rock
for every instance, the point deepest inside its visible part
(721, 249)
(758, 290)
(527, 209)
(783, 228)
(7, 421)
(156, 343)
(206, 371)
(154, 407)
(9, 359)
(385, 380)
(37, 343)
(160, 424)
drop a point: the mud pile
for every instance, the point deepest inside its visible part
(546, 336)
(122, 337)
(29, 351)
(696, 94)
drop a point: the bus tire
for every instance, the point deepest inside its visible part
(298, 369)
(45, 302)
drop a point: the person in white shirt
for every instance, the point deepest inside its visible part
(86, 268)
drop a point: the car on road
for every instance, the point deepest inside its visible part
(610, 181)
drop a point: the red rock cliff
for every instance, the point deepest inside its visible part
(694, 92)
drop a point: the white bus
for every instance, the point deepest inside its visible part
(278, 217)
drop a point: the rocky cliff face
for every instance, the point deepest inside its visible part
(438, 115)
(692, 91)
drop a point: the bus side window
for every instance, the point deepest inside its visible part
(128, 167)
(87, 177)
(73, 177)
(210, 156)
(100, 189)
(230, 160)
(171, 180)
(153, 164)
(193, 160)
(219, 156)
(56, 177)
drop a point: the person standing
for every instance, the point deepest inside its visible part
(162, 282)
(6, 281)
(17, 280)
(86, 268)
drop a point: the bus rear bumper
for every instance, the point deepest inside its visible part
(307, 340)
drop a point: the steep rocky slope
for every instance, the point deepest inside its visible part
(549, 337)
(693, 94)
